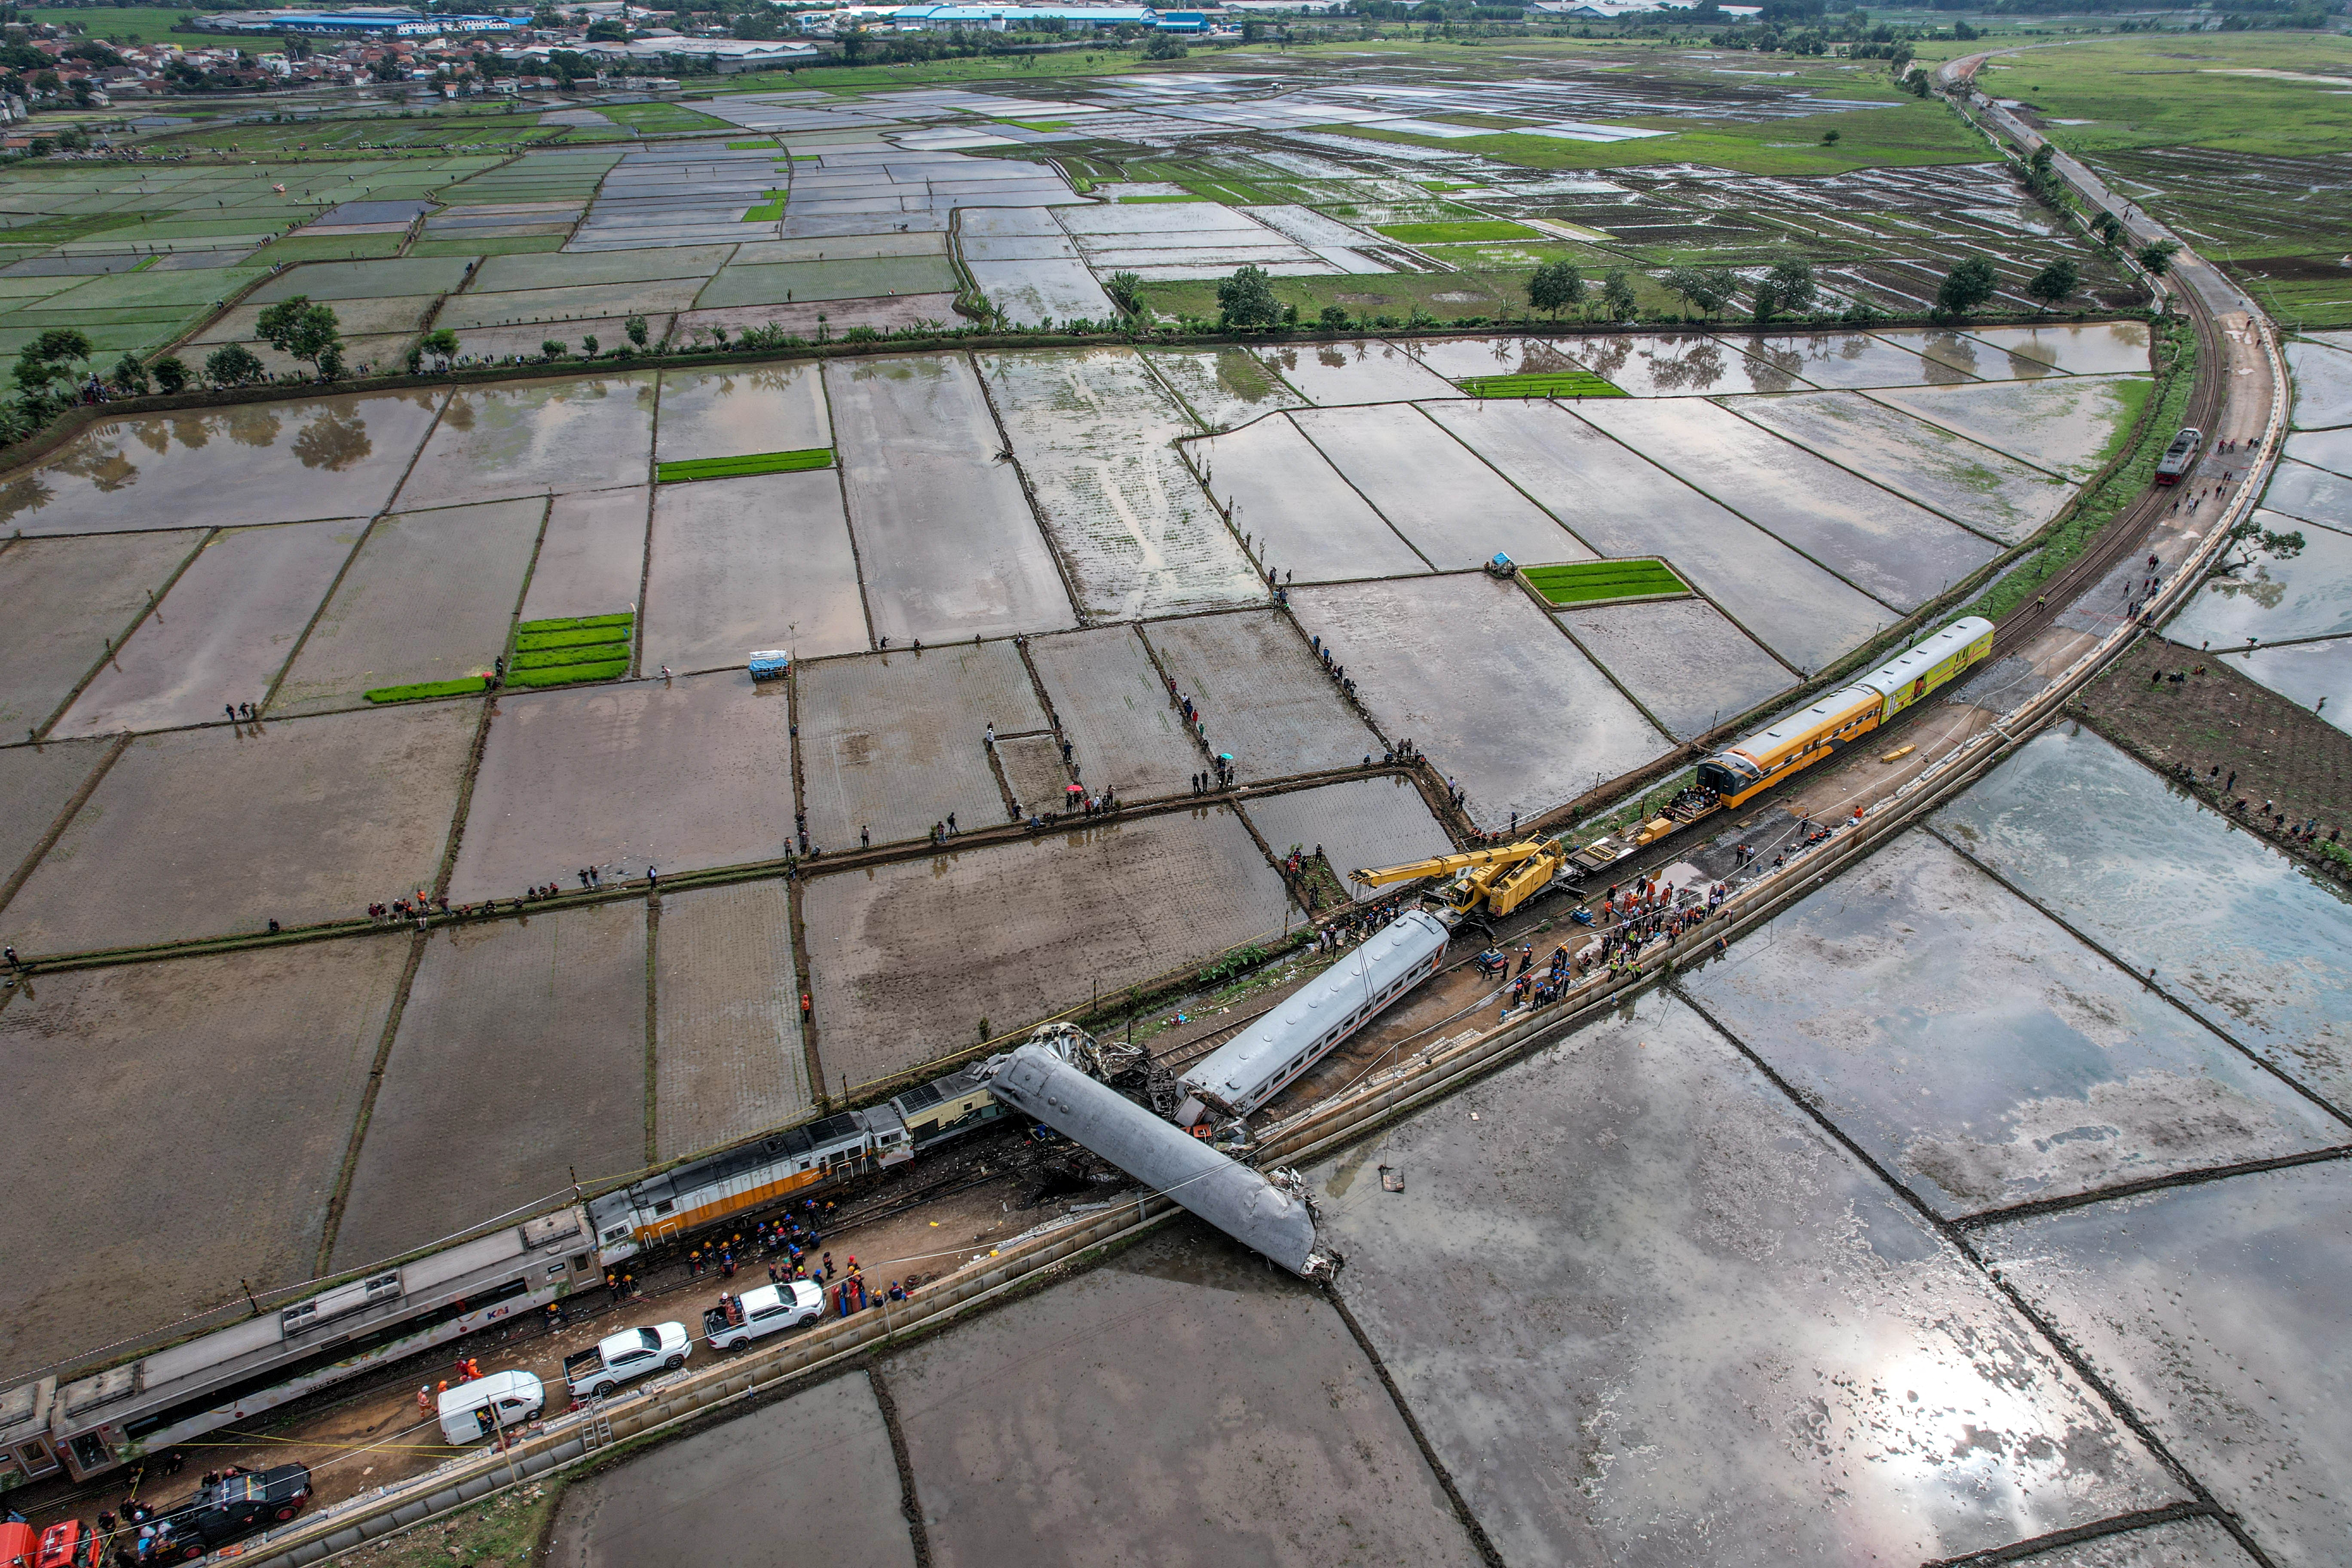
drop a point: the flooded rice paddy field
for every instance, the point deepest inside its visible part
(378, 539)
(247, 1069)
(1095, 432)
(678, 774)
(2301, 597)
(1542, 709)
(1642, 1305)
(911, 958)
(523, 1046)
(2236, 934)
(2216, 1312)
(1971, 1044)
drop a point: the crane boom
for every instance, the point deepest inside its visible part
(1508, 854)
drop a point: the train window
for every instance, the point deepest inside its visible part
(617, 1232)
(665, 1206)
(556, 1270)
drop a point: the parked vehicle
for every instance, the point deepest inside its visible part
(631, 1353)
(71, 1543)
(737, 1320)
(226, 1510)
(502, 1401)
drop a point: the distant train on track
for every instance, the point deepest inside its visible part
(107, 1419)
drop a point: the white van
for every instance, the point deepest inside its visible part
(466, 1409)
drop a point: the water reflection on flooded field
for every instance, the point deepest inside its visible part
(2235, 931)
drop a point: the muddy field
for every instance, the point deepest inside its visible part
(460, 572)
(1261, 695)
(738, 1493)
(909, 958)
(728, 1059)
(1359, 823)
(39, 782)
(592, 557)
(224, 632)
(68, 599)
(1486, 685)
(1688, 668)
(211, 1062)
(520, 1058)
(1114, 709)
(681, 775)
(220, 830)
(747, 564)
(891, 743)
(948, 544)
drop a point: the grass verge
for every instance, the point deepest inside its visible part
(465, 686)
(505, 1530)
(1561, 384)
(751, 463)
(1594, 582)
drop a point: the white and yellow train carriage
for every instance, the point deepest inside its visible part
(704, 1192)
(1739, 771)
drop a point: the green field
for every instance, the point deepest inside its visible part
(1596, 582)
(1900, 135)
(751, 463)
(1559, 384)
(1466, 231)
(572, 648)
(116, 25)
(662, 118)
(2154, 92)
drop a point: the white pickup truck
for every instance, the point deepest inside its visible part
(755, 1314)
(631, 1353)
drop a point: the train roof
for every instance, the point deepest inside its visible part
(1843, 701)
(923, 1096)
(788, 1144)
(1235, 1070)
(1924, 655)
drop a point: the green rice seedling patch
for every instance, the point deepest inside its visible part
(564, 675)
(568, 642)
(560, 658)
(1596, 582)
(687, 469)
(1467, 231)
(573, 623)
(748, 146)
(464, 685)
(1156, 201)
(1040, 124)
(1541, 384)
(766, 212)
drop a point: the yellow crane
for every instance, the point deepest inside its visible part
(1490, 881)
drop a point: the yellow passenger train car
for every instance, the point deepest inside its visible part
(1739, 772)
